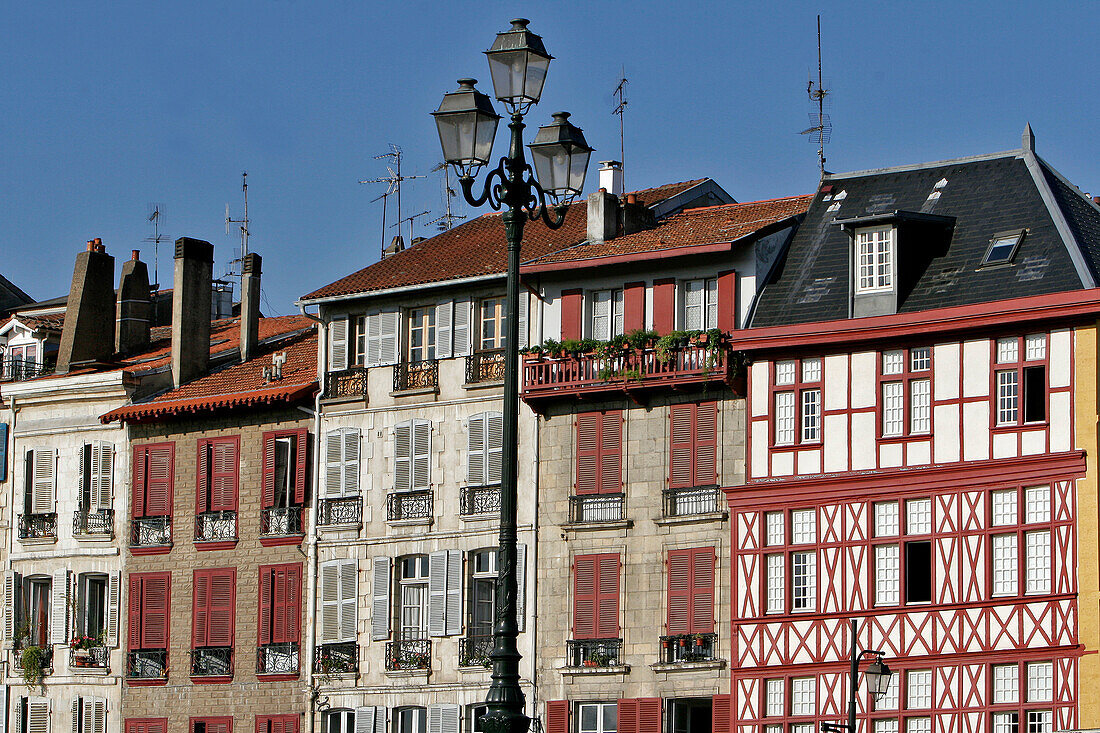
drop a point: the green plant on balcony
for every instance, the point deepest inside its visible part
(34, 660)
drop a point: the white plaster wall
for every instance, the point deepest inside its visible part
(945, 365)
(1061, 423)
(975, 362)
(836, 443)
(1060, 353)
(864, 374)
(863, 441)
(945, 432)
(975, 431)
(759, 386)
(836, 382)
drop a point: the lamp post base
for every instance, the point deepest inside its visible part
(505, 722)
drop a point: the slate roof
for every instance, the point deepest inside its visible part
(986, 195)
(475, 248)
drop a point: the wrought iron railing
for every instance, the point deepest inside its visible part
(342, 658)
(485, 366)
(98, 657)
(479, 500)
(594, 652)
(409, 654)
(415, 375)
(216, 526)
(402, 505)
(16, 370)
(150, 531)
(277, 521)
(596, 508)
(37, 526)
(99, 522)
(42, 658)
(689, 648)
(695, 500)
(212, 661)
(147, 664)
(277, 658)
(351, 382)
(343, 510)
(473, 651)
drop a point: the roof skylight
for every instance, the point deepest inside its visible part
(1002, 248)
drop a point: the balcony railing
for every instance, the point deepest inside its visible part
(279, 521)
(474, 500)
(402, 505)
(98, 523)
(485, 366)
(351, 382)
(16, 370)
(147, 664)
(594, 652)
(473, 651)
(43, 657)
(344, 510)
(409, 375)
(150, 531)
(37, 526)
(342, 658)
(689, 648)
(596, 508)
(684, 502)
(212, 661)
(277, 658)
(216, 526)
(98, 657)
(409, 654)
(545, 376)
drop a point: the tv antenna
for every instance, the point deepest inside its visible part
(447, 221)
(821, 129)
(383, 198)
(620, 94)
(156, 215)
(243, 222)
(394, 179)
(409, 219)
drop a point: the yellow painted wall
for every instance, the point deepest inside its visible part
(1088, 524)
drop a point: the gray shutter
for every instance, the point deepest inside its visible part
(402, 456)
(437, 593)
(59, 607)
(494, 441)
(113, 586)
(349, 600)
(103, 460)
(330, 601)
(387, 337)
(374, 339)
(338, 344)
(443, 349)
(475, 453)
(38, 715)
(334, 464)
(379, 719)
(449, 718)
(380, 599)
(454, 592)
(99, 715)
(521, 586)
(42, 497)
(421, 454)
(76, 715)
(11, 602)
(461, 327)
(435, 719)
(352, 444)
(523, 319)
(364, 720)
(20, 702)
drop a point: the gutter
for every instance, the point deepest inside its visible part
(396, 291)
(311, 539)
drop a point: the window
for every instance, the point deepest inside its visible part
(803, 581)
(1002, 248)
(342, 447)
(1020, 380)
(918, 683)
(918, 725)
(803, 696)
(485, 440)
(412, 455)
(1006, 683)
(888, 725)
(605, 313)
(800, 566)
(774, 531)
(599, 453)
(211, 725)
(596, 596)
(375, 340)
(214, 595)
(217, 474)
(412, 597)
(421, 331)
(147, 725)
(700, 304)
(90, 715)
(148, 603)
(796, 394)
(597, 717)
(280, 618)
(284, 470)
(483, 585)
(97, 476)
(691, 591)
(339, 601)
(874, 249)
(493, 320)
(341, 721)
(411, 720)
(278, 723)
(40, 485)
(96, 612)
(1024, 550)
(154, 473)
(36, 611)
(693, 449)
(773, 698)
(903, 571)
(1040, 681)
(475, 714)
(906, 387)
(775, 602)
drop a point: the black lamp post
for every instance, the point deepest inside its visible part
(878, 681)
(467, 124)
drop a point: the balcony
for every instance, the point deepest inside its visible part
(685, 502)
(473, 651)
(344, 510)
(37, 526)
(277, 658)
(17, 370)
(212, 661)
(408, 654)
(475, 500)
(34, 662)
(596, 508)
(594, 653)
(405, 505)
(633, 371)
(415, 376)
(97, 523)
(485, 367)
(342, 658)
(281, 521)
(689, 648)
(151, 532)
(216, 527)
(147, 664)
(96, 657)
(351, 382)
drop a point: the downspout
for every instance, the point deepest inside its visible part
(6, 704)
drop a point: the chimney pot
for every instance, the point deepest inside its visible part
(611, 176)
(91, 245)
(631, 198)
(134, 254)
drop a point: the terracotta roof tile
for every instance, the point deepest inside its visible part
(48, 322)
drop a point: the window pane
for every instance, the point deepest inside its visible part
(1035, 347)
(918, 516)
(1006, 722)
(1008, 350)
(1037, 560)
(784, 418)
(774, 522)
(893, 362)
(803, 526)
(887, 574)
(889, 725)
(918, 725)
(1036, 504)
(1040, 682)
(1008, 397)
(1004, 507)
(1006, 683)
(920, 359)
(919, 682)
(1038, 721)
(802, 696)
(886, 519)
(784, 372)
(773, 697)
(1035, 394)
(803, 581)
(1004, 564)
(893, 408)
(811, 414)
(775, 584)
(920, 406)
(811, 370)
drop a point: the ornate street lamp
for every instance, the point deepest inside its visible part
(878, 682)
(467, 123)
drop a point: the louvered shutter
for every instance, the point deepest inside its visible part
(291, 603)
(224, 471)
(443, 331)
(706, 444)
(330, 601)
(133, 615)
(113, 589)
(727, 301)
(364, 719)
(679, 591)
(681, 454)
(572, 307)
(611, 453)
(387, 336)
(223, 591)
(461, 325)
(557, 716)
(494, 442)
(45, 469)
(102, 475)
(28, 482)
(38, 715)
(627, 714)
(702, 590)
(153, 616)
(280, 634)
(20, 704)
(649, 714)
(454, 592)
(380, 599)
(338, 344)
(342, 463)
(352, 444)
(711, 303)
(402, 456)
(379, 719)
(584, 596)
(421, 454)
(588, 453)
(349, 600)
(268, 471)
(443, 718)
(87, 480)
(77, 724)
(202, 488)
(435, 718)
(12, 583)
(200, 616)
(607, 602)
(158, 481)
(138, 482)
(475, 450)
(523, 319)
(301, 464)
(266, 635)
(521, 586)
(634, 307)
(59, 607)
(664, 305)
(720, 714)
(437, 593)
(374, 339)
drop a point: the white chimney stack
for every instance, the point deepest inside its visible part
(611, 177)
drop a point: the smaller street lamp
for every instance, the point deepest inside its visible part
(878, 682)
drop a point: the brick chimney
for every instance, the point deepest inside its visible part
(250, 305)
(89, 331)
(192, 283)
(636, 217)
(603, 216)
(611, 177)
(134, 308)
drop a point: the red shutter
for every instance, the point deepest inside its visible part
(611, 453)
(153, 611)
(584, 596)
(224, 456)
(276, 724)
(214, 725)
(269, 471)
(664, 305)
(681, 454)
(159, 475)
(649, 714)
(607, 598)
(147, 725)
(727, 300)
(215, 603)
(706, 444)
(280, 603)
(203, 482)
(628, 715)
(200, 616)
(720, 714)
(265, 605)
(572, 306)
(557, 716)
(134, 612)
(588, 453)
(301, 455)
(137, 482)
(679, 591)
(633, 307)
(292, 604)
(702, 590)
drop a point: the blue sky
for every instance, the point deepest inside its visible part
(111, 106)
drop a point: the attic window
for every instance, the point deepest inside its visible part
(875, 260)
(1002, 248)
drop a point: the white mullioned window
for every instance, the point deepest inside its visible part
(920, 406)
(919, 689)
(784, 418)
(1008, 722)
(1037, 561)
(1036, 504)
(918, 725)
(887, 575)
(1006, 683)
(804, 696)
(1005, 565)
(1008, 397)
(803, 526)
(597, 717)
(906, 388)
(1040, 681)
(784, 372)
(700, 304)
(1008, 350)
(876, 265)
(773, 698)
(889, 701)
(1020, 380)
(1004, 507)
(802, 728)
(1035, 347)
(893, 408)
(885, 725)
(886, 519)
(918, 516)
(798, 409)
(811, 415)
(606, 308)
(775, 583)
(773, 522)
(1039, 721)
(803, 581)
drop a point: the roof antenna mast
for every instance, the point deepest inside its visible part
(156, 215)
(620, 94)
(447, 221)
(393, 180)
(243, 222)
(821, 129)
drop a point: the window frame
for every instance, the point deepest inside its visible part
(401, 582)
(902, 539)
(1021, 529)
(1019, 366)
(499, 319)
(616, 313)
(477, 577)
(708, 309)
(787, 549)
(427, 327)
(906, 377)
(297, 493)
(1022, 706)
(798, 389)
(207, 719)
(601, 706)
(400, 712)
(1016, 234)
(876, 262)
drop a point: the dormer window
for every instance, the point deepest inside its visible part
(876, 260)
(1002, 248)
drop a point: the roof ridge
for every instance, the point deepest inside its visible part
(736, 204)
(922, 166)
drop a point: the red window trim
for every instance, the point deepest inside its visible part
(264, 723)
(301, 461)
(906, 376)
(206, 446)
(1018, 366)
(140, 478)
(600, 453)
(693, 594)
(602, 615)
(227, 719)
(797, 387)
(701, 475)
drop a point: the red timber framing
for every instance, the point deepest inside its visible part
(693, 445)
(213, 618)
(596, 596)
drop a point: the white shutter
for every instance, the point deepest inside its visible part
(521, 586)
(402, 456)
(330, 601)
(103, 457)
(387, 337)
(352, 438)
(334, 465)
(44, 465)
(59, 607)
(712, 304)
(379, 719)
(449, 718)
(475, 453)
(349, 600)
(364, 720)
(76, 715)
(437, 593)
(20, 702)
(524, 302)
(443, 349)
(380, 599)
(435, 719)
(494, 441)
(421, 454)
(38, 715)
(338, 344)
(11, 601)
(454, 592)
(373, 325)
(95, 715)
(113, 585)
(461, 327)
